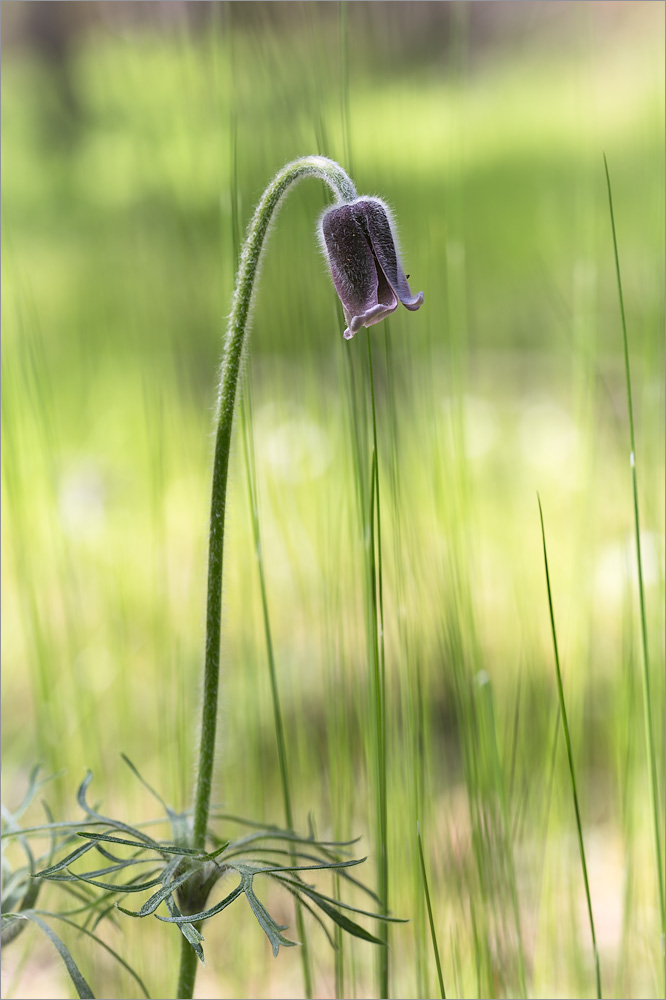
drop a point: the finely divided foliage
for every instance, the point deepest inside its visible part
(127, 860)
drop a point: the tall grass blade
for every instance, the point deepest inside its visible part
(505, 844)
(377, 601)
(248, 449)
(647, 698)
(433, 933)
(344, 97)
(572, 774)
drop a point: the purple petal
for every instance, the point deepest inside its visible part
(364, 262)
(371, 316)
(365, 294)
(383, 242)
(350, 256)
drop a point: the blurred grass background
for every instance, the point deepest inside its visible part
(483, 125)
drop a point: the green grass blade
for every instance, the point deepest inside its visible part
(377, 604)
(433, 934)
(572, 774)
(647, 697)
(248, 448)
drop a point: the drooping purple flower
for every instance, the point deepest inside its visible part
(361, 247)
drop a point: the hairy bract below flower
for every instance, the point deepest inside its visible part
(361, 247)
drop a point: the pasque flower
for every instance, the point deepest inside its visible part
(361, 247)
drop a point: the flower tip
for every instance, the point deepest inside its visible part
(415, 303)
(348, 334)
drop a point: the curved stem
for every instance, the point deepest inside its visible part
(342, 187)
(332, 174)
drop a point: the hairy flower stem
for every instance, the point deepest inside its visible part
(332, 174)
(188, 970)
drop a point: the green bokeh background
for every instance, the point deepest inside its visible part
(483, 126)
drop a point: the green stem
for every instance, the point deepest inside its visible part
(380, 693)
(343, 189)
(647, 697)
(188, 970)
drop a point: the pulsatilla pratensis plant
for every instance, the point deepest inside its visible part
(180, 871)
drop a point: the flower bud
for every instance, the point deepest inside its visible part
(361, 248)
